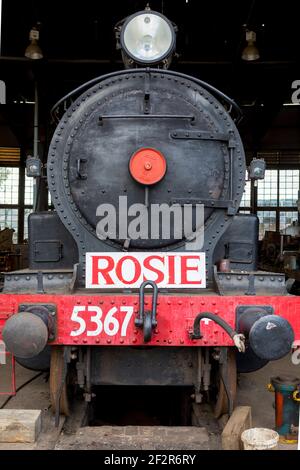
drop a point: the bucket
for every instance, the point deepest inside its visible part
(260, 439)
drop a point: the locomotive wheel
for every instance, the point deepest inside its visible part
(230, 373)
(56, 376)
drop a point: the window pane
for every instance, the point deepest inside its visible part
(267, 189)
(287, 218)
(9, 218)
(241, 211)
(9, 185)
(267, 221)
(28, 196)
(288, 187)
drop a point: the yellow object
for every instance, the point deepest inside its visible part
(288, 441)
(296, 395)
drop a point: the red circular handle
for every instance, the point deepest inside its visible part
(147, 166)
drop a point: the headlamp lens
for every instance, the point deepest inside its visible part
(148, 37)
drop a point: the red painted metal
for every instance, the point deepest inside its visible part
(175, 316)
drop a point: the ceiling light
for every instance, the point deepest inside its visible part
(250, 52)
(33, 51)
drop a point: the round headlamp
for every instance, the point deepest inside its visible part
(147, 37)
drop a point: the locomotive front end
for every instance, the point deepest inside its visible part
(145, 260)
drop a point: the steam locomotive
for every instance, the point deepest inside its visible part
(99, 306)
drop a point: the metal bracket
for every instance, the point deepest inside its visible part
(147, 94)
(104, 117)
(27, 280)
(249, 283)
(47, 312)
(80, 175)
(40, 283)
(198, 135)
(215, 203)
(251, 286)
(147, 319)
(269, 310)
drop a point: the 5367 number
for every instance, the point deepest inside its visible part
(108, 323)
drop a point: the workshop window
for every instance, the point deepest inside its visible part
(267, 222)
(9, 185)
(28, 194)
(267, 189)
(287, 218)
(288, 187)
(9, 199)
(16, 204)
(275, 199)
(9, 218)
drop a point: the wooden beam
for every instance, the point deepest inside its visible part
(239, 421)
(20, 425)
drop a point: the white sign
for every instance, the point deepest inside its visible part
(129, 270)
